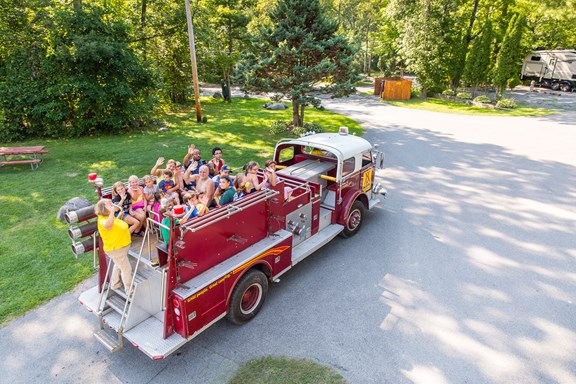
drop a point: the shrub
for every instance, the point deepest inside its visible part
(448, 92)
(279, 126)
(299, 131)
(313, 127)
(464, 95)
(514, 82)
(82, 78)
(482, 99)
(416, 91)
(506, 103)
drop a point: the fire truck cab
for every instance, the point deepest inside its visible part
(220, 264)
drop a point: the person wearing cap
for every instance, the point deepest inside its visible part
(224, 172)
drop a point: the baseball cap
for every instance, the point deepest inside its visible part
(225, 168)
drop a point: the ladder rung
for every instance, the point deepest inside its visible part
(117, 303)
(108, 340)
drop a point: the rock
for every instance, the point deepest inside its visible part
(217, 95)
(162, 129)
(73, 204)
(276, 106)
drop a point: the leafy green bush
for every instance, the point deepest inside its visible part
(279, 126)
(313, 127)
(82, 77)
(514, 82)
(299, 131)
(464, 95)
(448, 92)
(415, 91)
(482, 99)
(506, 103)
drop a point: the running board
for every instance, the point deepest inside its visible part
(108, 340)
(306, 248)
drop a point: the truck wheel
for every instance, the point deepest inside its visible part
(565, 88)
(354, 220)
(248, 297)
(555, 86)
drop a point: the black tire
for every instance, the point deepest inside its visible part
(248, 297)
(565, 88)
(354, 220)
(555, 86)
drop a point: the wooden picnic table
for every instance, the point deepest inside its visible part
(24, 155)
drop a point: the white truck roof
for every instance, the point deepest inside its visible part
(343, 146)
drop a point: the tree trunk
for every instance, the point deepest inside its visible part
(230, 38)
(143, 25)
(77, 5)
(143, 14)
(465, 44)
(296, 113)
(368, 61)
(302, 106)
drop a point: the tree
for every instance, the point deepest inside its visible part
(425, 41)
(479, 59)
(510, 54)
(228, 20)
(298, 51)
(80, 78)
(358, 20)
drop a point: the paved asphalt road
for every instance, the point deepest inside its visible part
(466, 274)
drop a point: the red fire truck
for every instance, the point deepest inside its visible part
(221, 264)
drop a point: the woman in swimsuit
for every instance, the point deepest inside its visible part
(251, 177)
(121, 198)
(138, 200)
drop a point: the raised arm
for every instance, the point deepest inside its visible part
(189, 177)
(154, 170)
(191, 148)
(109, 223)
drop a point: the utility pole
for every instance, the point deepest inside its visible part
(193, 60)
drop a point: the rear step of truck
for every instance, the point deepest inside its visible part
(115, 302)
(111, 343)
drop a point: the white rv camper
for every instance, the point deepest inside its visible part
(552, 69)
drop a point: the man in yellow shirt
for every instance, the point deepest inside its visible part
(117, 239)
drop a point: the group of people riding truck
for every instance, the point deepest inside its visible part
(198, 184)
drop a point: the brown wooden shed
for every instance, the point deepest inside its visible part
(397, 88)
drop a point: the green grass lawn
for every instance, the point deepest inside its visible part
(35, 254)
(439, 105)
(281, 370)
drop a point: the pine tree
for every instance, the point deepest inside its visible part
(295, 54)
(478, 60)
(509, 56)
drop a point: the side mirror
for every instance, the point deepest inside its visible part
(378, 159)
